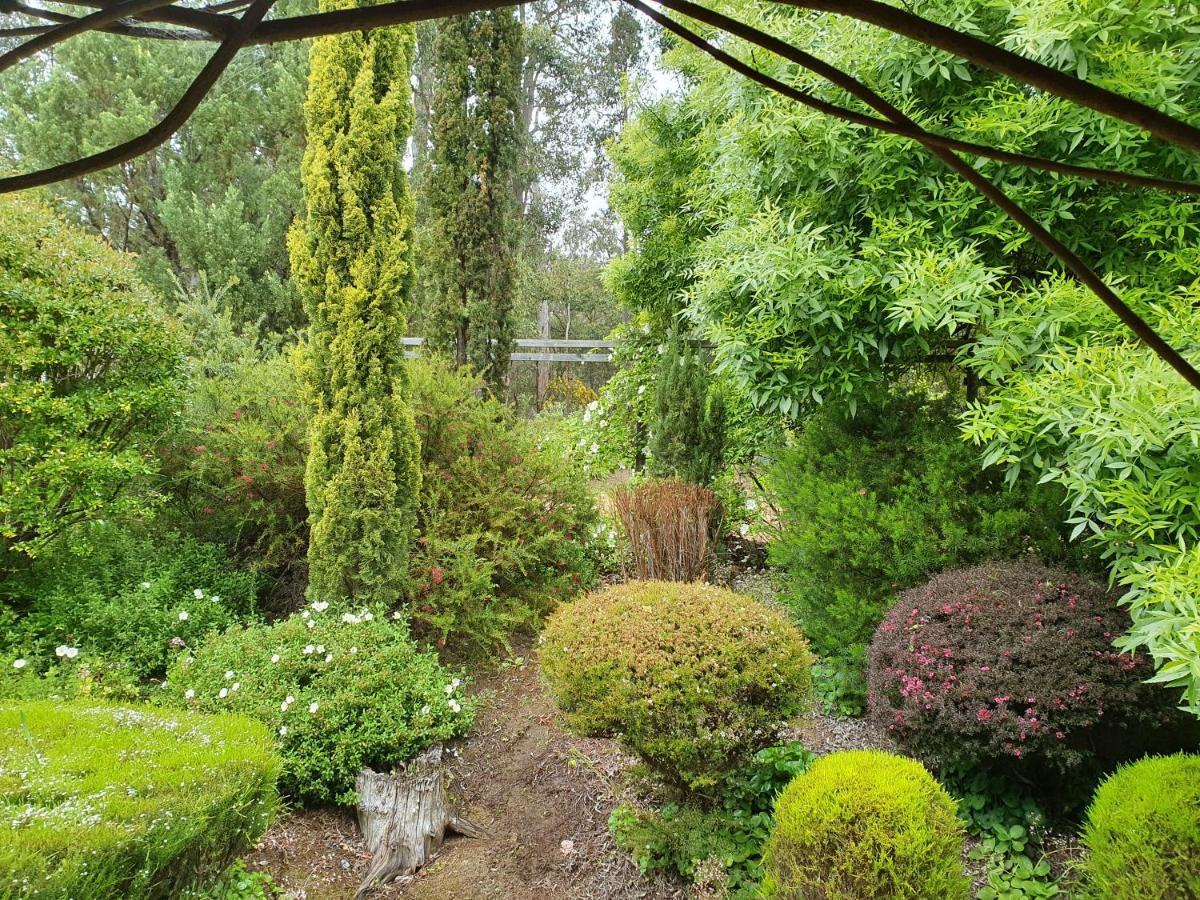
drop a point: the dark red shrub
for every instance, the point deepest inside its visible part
(1013, 663)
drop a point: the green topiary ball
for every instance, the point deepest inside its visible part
(865, 824)
(691, 678)
(1143, 831)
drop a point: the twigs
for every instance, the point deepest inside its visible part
(1072, 261)
(171, 123)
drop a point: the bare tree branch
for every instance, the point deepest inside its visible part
(1080, 269)
(171, 123)
(126, 30)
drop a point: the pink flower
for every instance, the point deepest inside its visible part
(984, 715)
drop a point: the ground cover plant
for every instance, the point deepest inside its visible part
(338, 691)
(107, 801)
(691, 678)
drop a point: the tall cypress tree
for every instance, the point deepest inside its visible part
(474, 226)
(351, 257)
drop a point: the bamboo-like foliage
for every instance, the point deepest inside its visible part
(352, 261)
(669, 526)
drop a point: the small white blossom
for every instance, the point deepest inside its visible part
(274, 657)
(183, 616)
(320, 648)
(751, 504)
(328, 657)
(198, 594)
(396, 615)
(454, 705)
(313, 707)
(311, 624)
(309, 650)
(145, 585)
(228, 674)
(593, 406)
(215, 598)
(425, 710)
(350, 618)
(368, 617)
(320, 606)
(290, 699)
(189, 694)
(63, 650)
(235, 686)
(641, 389)
(744, 529)
(304, 614)
(353, 651)
(223, 693)
(282, 730)
(283, 706)
(20, 663)
(595, 448)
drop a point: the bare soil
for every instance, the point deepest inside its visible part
(542, 795)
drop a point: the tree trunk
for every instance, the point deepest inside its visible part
(404, 818)
(543, 368)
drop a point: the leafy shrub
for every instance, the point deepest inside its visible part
(865, 824)
(1011, 664)
(89, 373)
(235, 466)
(1143, 831)
(687, 437)
(124, 598)
(103, 801)
(237, 883)
(669, 526)
(339, 693)
(490, 495)
(689, 840)
(873, 503)
(691, 678)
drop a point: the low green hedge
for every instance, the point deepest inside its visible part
(863, 825)
(105, 801)
(1143, 831)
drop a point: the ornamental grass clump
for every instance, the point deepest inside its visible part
(104, 801)
(862, 825)
(691, 678)
(339, 691)
(1143, 832)
(669, 525)
(1011, 664)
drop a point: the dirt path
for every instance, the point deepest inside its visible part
(543, 796)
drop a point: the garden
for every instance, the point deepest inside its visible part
(578, 450)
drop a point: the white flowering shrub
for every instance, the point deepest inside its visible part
(339, 689)
(101, 801)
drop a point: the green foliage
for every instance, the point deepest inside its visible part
(124, 601)
(1143, 831)
(865, 824)
(103, 801)
(872, 503)
(507, 531)
(352, 261)
(473, 229)
(89, 373)
(238, 883)
(691, 678)
(338, 691)
(687, 435)
(1018, 877)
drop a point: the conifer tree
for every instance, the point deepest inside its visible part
(688, 435)
(352, 260)
(474, 218)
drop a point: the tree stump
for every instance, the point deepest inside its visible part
(404, 818)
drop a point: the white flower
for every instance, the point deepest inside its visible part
(183, 616)
(309, 650)
(235, 685)
(283, 706)
(425, 710)
(353, 651)
(641, 389)
(587, 416)
(189, 694)
(328, 657)
(744, 529)
(304, 614)
(320, 648)
(215, 598)
(20, 663)
(595, 448)
(320, 606)
(593, 406)
(311, 624)
(228, 674)
(453, 686)
(69, 652)
(274, 657)
(313, 707)
(350, 618)
(145, 585)
(751, 504)
(223, 693)
(282, 730)
(290, 699)
(396, 615)
(368, 617)
(454, 705)
(198, 594)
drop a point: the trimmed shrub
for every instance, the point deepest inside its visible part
(875, 502)
(1143, 831)
(507, 530)
(691, 678)
(861, 825)
(104, 801)
(669, 525)
(339, 693)
(1013, 663)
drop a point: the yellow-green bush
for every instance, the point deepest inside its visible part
(692, 678)
(1143, 831)
(865, 824)
(104, 801)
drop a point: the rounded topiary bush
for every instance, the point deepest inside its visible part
(340, 692)
(691, 678)
(865, 824)
(1013, 663)
(102, 801)
(1143, 831)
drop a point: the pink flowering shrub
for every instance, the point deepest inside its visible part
(1013, 663)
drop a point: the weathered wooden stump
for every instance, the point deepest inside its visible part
(404, 818)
